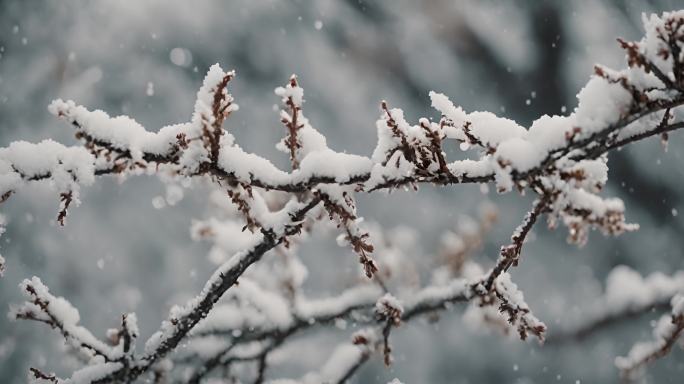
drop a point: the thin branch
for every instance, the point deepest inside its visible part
(510, 254)
(644, 354)
(604, 322)
(641, 136)
(566, 171)
(224, 278)
(40, 375)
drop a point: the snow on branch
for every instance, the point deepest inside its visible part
(627, 295)
(65, 168)
(253, 302)
(183, 318)
(665, 334)
(58, 313)
(365, 304)
(103, 358)
(345, 360)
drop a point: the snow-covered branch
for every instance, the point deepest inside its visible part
(628, 295)
(561, 159)
(344, 361)
(58, 313)
(666, 333)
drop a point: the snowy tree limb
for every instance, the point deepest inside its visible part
(666, 333)
(561, 159)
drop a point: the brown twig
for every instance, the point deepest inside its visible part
(510, 254)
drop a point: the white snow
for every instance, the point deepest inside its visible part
(600, 104)
(352, 298)
(92, 373)
(627, 289)
(667, 329)
(493, 130)
(500, 149)
(64, 316)
(63, 167)
(180, 57)
(521, 154)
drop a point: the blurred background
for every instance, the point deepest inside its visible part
(146, 59)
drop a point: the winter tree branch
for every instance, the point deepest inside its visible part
(561, 159)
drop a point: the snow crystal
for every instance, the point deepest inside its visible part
(149, 91)
(174, 194)
(158, 202)
(180, 57)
